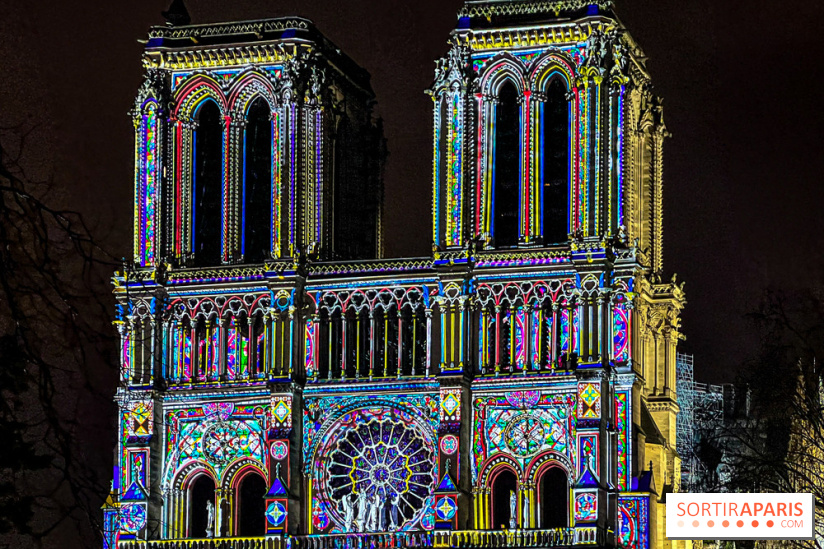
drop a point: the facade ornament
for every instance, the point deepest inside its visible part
(210, 519)
(453, 72)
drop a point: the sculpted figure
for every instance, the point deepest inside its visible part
(373, 513)
(210, 519)
(348, 512)
(394, 512)
(513, 509)
(382, 512)
(525, 514)
(362, 508)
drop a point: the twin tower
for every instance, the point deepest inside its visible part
(283, 384)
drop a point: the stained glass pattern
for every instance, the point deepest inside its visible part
(217, 433)
(589, 401)
(519, 347)
(377, 470)
(133, 517)
(137, 418)
(372, 451)
(521, 424)
(147, 181)
(633, 522)
(622, 426)
(450, 405)
(589, 454)
(620, 333)
(586, 507)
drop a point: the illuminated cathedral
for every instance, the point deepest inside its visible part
(283, 384)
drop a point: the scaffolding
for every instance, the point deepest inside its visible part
(700, 416)
(685, 421)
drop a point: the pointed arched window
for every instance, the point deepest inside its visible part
(251, 505)
(208, 186)
(504, 486)
(553, 498)
(555, 163)
(201, 493)
(507, 166)
(257, 183)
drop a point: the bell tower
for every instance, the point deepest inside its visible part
(548, 143)
(255, 142)
(282, 385)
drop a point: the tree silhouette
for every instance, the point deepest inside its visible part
(780, 447)
(54, 337)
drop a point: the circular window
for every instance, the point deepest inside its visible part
(377, 470)
(524, 435)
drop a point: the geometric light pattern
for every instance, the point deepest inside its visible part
(378, 460)
(449, 444)
(589, 401)
(586, 507)
(633, 522)
(446, 507)
(541, 421)
(276, 513)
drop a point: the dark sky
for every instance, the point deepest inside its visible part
(740, 81)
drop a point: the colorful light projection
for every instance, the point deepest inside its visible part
(633, 522)
(217, 433)
(525, 325)
(372, 461)
(620, 333)
(589, 455)
(147, 182)
(622, 403)
(589, 401)
(522, 424)
(240, 86)
(586, 507)
(454, 171)
(354, 437)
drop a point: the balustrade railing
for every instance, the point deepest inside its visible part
(477, 539)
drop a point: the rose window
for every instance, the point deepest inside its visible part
(378, 457)
(525, 435)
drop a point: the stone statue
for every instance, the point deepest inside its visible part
(348, 512)
(513, 509)
(362, 505)
(394, 511)
(373, 512)
(210, 519)
(382, 513)
(525, 514)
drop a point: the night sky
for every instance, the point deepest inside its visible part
(740, 82)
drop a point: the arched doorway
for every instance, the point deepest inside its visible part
(201, 491)
(251, 506)
(553, 498)
(504, 485)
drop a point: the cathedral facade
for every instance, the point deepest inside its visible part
(285, 384)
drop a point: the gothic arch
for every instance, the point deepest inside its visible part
(249, 87)
(499, 502)
(188, 473)
(550, 489)
(492, 467)
(546, 460)
(247, 507)
(550, 66)
(235, 473)
(502, 68)
(200, 88)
